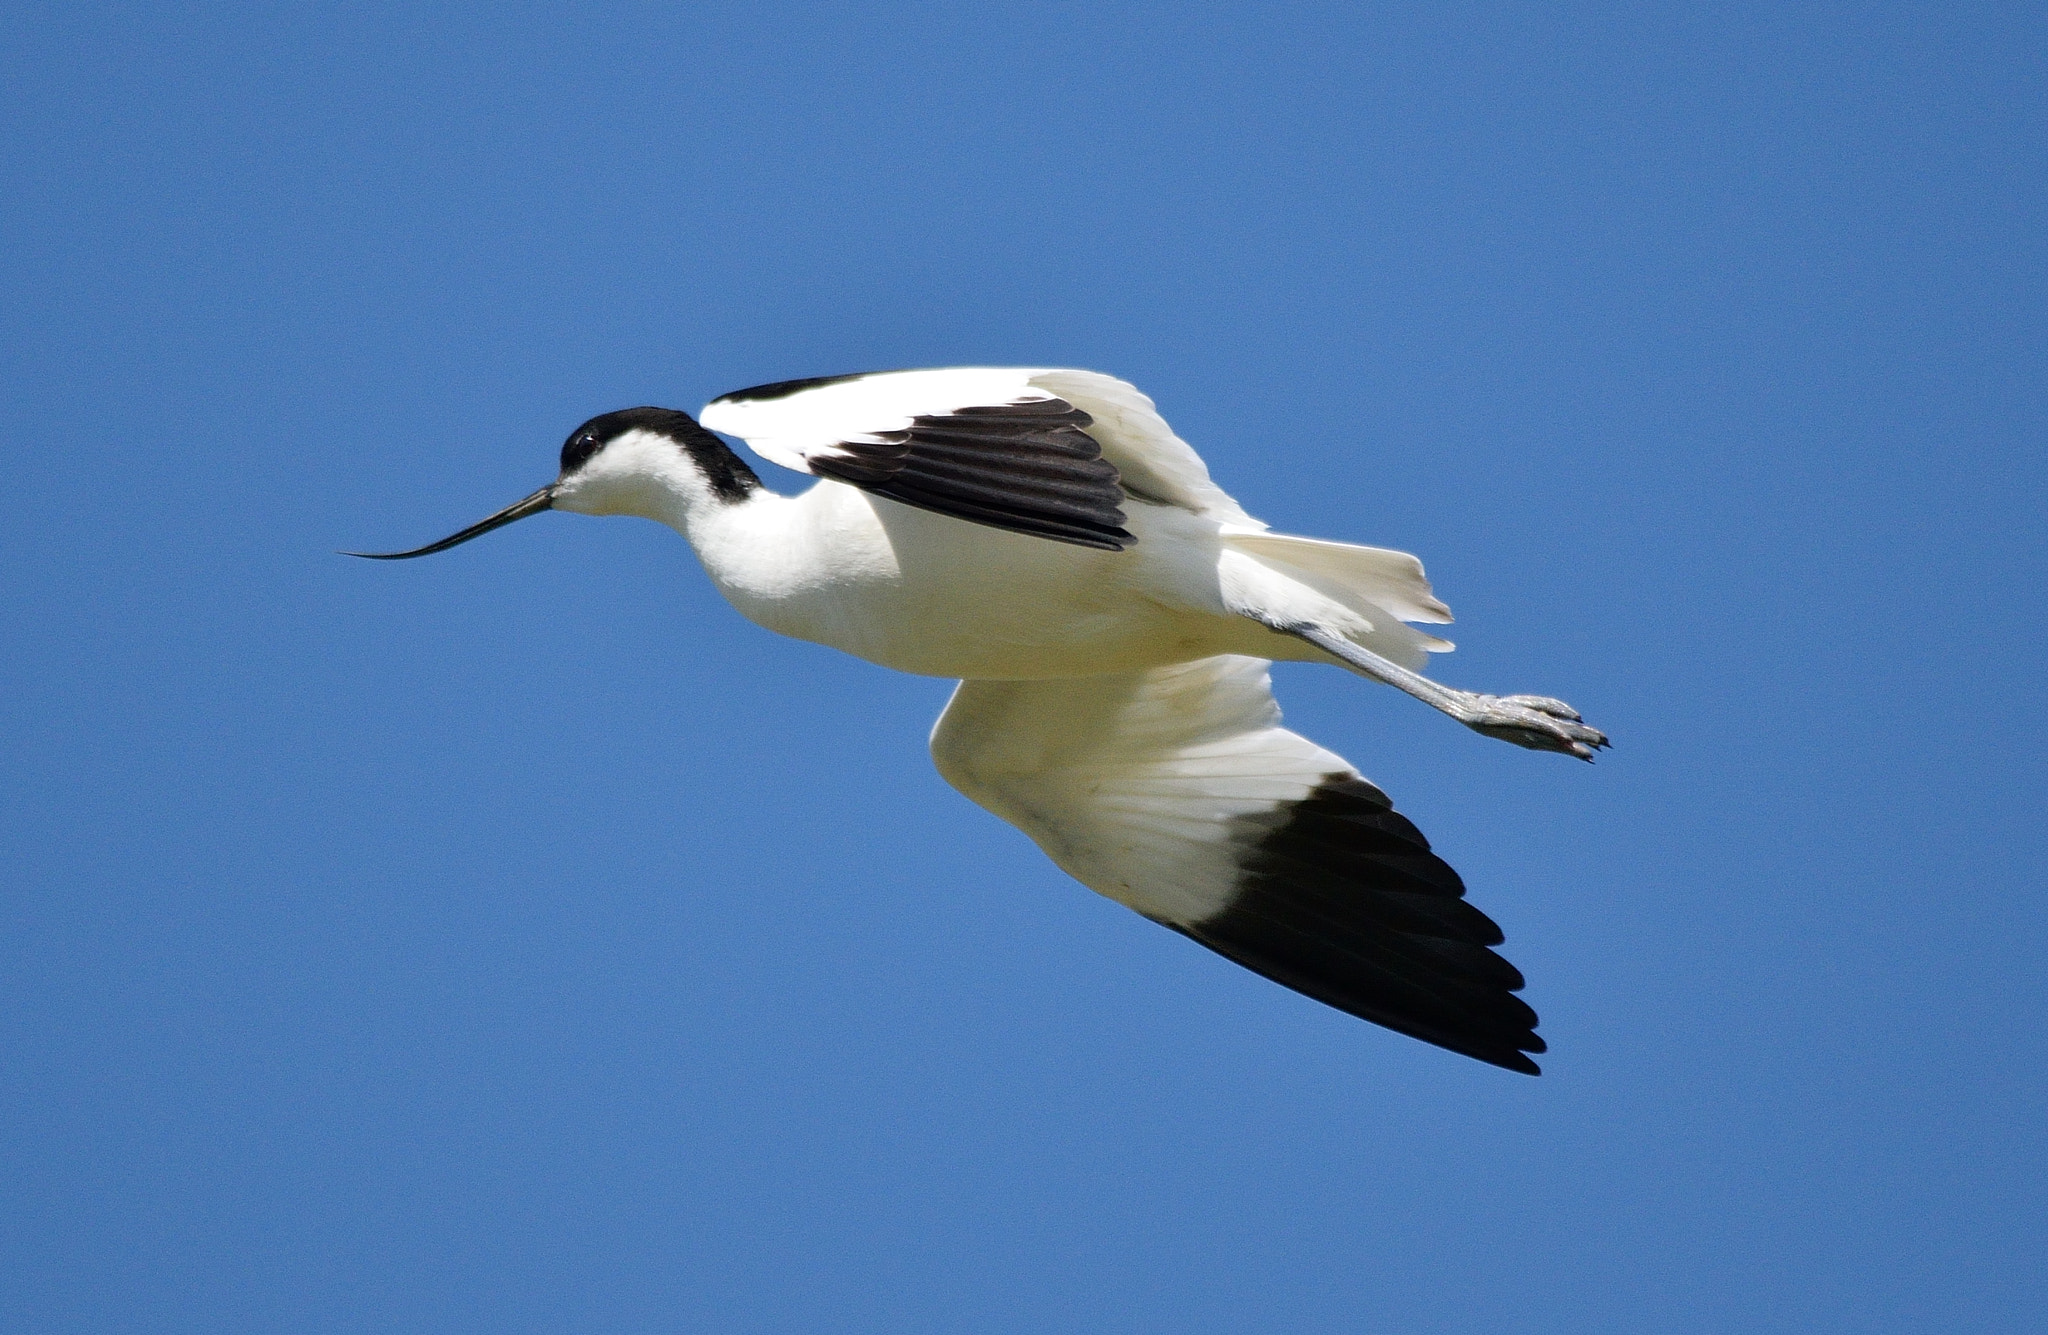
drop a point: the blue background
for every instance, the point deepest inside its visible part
(519, 941)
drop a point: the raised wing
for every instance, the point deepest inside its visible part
(1157, 465)
(981, 445)
(1177, 793)
(1050, 452)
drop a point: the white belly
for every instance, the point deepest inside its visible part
(928, 594)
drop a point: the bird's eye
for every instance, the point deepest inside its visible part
(578, 450)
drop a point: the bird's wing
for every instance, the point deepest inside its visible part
(1177, 793)
(1156, 464)
(1045, 452)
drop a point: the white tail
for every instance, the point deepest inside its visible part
(1384, 587)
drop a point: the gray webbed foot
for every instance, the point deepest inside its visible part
(1535, 721)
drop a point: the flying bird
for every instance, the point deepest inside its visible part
(1111, 613)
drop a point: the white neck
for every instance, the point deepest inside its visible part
(753, 546)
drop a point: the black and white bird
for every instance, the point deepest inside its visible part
(1045, 537)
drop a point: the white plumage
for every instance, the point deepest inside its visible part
(1043, 535)
(1134, 783)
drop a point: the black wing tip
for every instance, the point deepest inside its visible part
(1339, 899)
(1503, 1041)
(1068, 524)
(1025, 466)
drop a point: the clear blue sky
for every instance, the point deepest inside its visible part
(520, 941)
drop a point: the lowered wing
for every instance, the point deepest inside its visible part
(1177, 793)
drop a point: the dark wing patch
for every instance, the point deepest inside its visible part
(1341, 899)
(1026, 467)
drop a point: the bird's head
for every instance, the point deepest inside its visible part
(654, 462)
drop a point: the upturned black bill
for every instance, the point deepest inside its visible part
(532, 505)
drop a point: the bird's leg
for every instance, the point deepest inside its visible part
(1535, 721)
